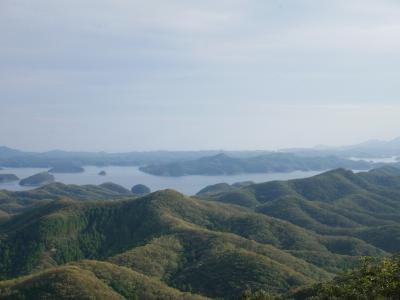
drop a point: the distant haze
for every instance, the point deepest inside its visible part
(121, 75)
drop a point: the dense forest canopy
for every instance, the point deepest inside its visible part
(253, 240)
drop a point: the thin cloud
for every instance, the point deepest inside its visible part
(183, 65)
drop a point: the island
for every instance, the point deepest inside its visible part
(66, 169)
(4, 178)
(278, 162)
(140, 190)
(37, 179)
(102, 173)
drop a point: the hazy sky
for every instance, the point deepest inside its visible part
(120, 75)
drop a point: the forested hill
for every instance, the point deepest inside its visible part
(363, 205)
(277, 237)
(223, 164)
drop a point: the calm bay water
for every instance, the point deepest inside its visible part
(390, 159)
(129, 176)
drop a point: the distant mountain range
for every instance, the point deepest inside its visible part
(368, 149)
(377, 144)
(68, 160)
(180, 163)
(101, 241)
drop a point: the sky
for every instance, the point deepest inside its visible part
(125, 75)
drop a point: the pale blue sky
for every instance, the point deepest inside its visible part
(119, 75)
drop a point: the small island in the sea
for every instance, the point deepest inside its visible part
(140, 190)
(37, 179)
(102, 173)
(4, 178)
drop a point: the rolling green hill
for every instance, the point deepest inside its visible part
(362, 205)
(275, 237)
(37, 179)
(89, 279)
(16, 202)
(372, 279)
(59, 283)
